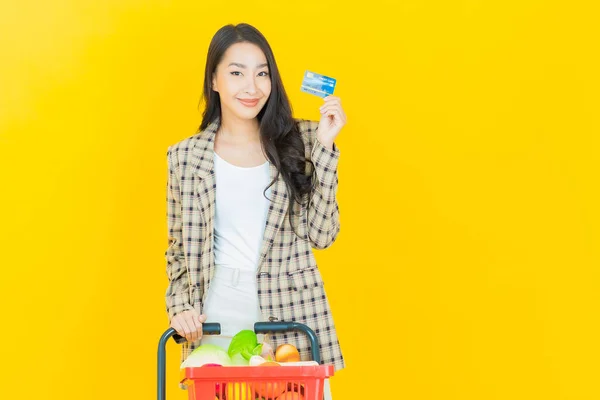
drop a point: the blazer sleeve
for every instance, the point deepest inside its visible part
(323, 211)
(177, 294)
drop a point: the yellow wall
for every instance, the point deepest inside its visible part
(468, 190)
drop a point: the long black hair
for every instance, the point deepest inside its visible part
(279, 134)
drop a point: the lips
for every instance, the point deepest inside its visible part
(249, 102)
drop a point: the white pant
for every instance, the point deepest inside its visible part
(327, 390)
(232, 300)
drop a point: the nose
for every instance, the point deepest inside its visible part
(251, 86)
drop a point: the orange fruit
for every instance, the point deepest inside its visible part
(270, 390)
(270, 364)
(287, 353)
(291, 396)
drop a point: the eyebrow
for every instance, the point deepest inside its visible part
(243, 66)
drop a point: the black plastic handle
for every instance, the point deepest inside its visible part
(208, 328)
(214, 328)
(264, 327)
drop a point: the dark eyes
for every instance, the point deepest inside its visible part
(238, 72)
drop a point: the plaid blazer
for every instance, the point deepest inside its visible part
(290, 287)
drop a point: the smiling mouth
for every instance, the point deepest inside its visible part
(249, 103)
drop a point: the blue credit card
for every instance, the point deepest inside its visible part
(317, 84)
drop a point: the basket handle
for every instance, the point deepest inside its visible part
(264, 327)
(208, 328)
(214, 328)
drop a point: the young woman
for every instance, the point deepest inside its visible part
(249, 196)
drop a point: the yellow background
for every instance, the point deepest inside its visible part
(467, 264)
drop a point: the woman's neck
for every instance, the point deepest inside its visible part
(239, 130)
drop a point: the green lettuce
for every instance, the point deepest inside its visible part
(244, 343)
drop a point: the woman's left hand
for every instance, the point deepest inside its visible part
(332, 120)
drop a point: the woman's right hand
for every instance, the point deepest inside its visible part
(189, 324)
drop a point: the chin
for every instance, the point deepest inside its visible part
(248, 113)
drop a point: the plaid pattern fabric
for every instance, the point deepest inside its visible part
(290, 287)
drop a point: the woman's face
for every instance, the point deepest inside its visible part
(242, 75)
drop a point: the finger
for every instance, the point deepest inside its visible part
(329, 104)
(336, 116)
(201, 320)
(175, 324)
(198, 328)
(326, 108)
(333, 111)
(332, 98)
(194, 326)
(186, 329)
(339, 110)
(343, 116)
(189, 320)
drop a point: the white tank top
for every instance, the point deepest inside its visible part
(240, 214)
(240, 217)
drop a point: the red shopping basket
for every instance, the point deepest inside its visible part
(295, 381)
